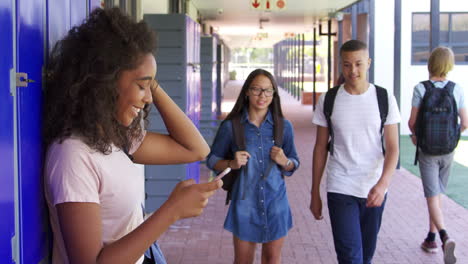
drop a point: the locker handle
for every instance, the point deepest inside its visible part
(195, 66)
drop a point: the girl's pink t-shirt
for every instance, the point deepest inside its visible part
(76, 173)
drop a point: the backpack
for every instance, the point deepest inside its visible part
(382, 100)
(239, 139)
(437, 128)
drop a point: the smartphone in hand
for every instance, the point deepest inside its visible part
(222, 174)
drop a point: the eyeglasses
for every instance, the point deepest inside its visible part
(258, 91)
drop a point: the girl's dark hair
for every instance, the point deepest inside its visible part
(82, 74)
(243, 101)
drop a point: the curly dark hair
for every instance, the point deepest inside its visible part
(243, 102)
(82, 74)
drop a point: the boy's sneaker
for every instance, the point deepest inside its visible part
(449, 251)
(429, 246)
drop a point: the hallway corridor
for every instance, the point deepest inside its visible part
(405, 224)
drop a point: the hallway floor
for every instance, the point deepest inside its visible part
(405, 221)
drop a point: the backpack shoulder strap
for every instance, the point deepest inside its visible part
(278, 131)
(330, 101)
(327, 110)
(428, 85)
(450, 86)
(238, 132)
(382, 100)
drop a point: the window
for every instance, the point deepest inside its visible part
(453, 34)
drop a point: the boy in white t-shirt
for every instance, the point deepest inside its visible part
(358, 172)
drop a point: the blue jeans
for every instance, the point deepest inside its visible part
(355, 227)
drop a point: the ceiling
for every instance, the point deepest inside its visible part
(238, 22)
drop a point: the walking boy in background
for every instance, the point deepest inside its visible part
(361, 125)
(436, 134)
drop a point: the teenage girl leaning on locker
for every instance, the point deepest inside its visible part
(99, 90)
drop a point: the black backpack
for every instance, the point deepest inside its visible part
(239, 138)
(382, 100)
(437, 128)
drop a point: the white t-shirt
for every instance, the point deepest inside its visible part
(357, 162)
(76, 173)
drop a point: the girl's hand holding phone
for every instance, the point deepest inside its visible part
(222, 174)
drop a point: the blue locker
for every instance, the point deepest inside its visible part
(7, 203)
(78, 12)
(58, 21)
(178, 59)
(32, 222)
(93, 4)
(23, 43)
(63, 15)
(24, 232)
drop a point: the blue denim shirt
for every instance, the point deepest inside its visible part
(264, 215)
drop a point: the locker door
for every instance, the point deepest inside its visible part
(78, 11)
(7, 204)
(58, 21)
(30, 52)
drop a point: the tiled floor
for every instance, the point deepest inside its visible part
(405, 222)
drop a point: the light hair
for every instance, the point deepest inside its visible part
(440, 62)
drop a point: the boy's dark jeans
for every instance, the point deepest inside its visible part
(355, 227)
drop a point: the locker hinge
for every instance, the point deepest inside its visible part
(14, 249)
(12, 82)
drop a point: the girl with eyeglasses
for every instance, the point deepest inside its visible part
(259, 211)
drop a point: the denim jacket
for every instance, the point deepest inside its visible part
(264, 215)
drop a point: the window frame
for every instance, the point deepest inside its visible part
(449, 44)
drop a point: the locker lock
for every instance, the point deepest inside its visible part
(22, 79)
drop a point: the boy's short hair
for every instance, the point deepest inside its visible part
(440, 62)
(353, 45)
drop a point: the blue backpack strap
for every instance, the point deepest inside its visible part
(327, 111)
(382, 100)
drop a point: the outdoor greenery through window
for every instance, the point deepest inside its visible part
(245, 60)
(453, 34)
